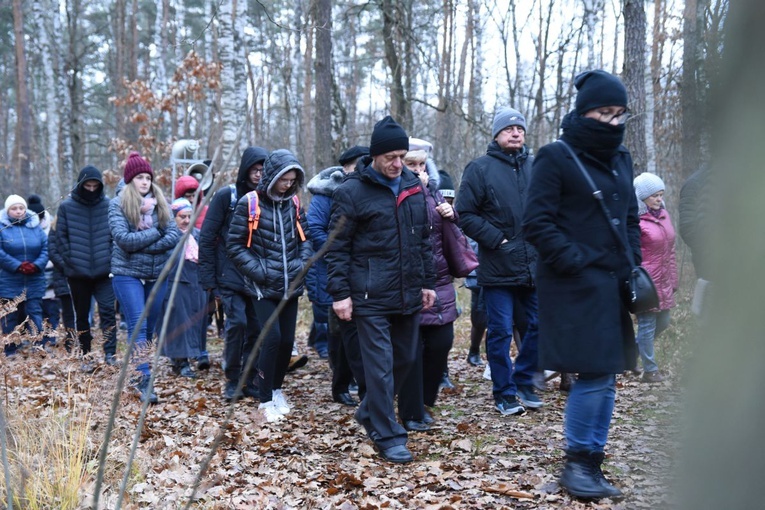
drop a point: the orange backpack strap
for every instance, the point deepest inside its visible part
(296, 200)
(253, 206)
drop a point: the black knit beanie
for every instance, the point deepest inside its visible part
(598, 88)
(353, 154)
(34, 203)
(388, 136)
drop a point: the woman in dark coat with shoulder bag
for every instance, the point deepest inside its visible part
(584, 324)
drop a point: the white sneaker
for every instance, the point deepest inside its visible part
(277, 397)
(487, 373)
(270, 411)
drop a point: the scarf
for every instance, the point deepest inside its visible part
(191, 253)
(147, 208)
(599, 139)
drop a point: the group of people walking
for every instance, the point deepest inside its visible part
(551, 270)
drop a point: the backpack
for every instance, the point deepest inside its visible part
(253, 206)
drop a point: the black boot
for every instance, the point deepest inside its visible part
(144, 394)
(580, 477)
(597, 461)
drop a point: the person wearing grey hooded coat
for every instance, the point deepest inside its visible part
(270, 255)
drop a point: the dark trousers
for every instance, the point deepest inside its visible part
(421, 385)
(242, 330)
(276, 351)
(345, 355)
(388, 349)
(67, 315)
(83, 290)
(52, 315)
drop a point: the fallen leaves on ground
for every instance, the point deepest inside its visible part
(320, 458)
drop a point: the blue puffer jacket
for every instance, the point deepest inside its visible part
(139, 253)
(20, 241)
(321, 186)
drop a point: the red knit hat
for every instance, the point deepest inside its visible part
(136, 165)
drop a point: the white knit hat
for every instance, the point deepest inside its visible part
(13, 200)
(646, 184)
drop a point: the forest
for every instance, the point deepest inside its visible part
(89, 81)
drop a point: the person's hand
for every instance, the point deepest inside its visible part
(428, 298)
(27, 267)
(445, 210)
(343, 309)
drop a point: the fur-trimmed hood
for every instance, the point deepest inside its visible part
(30, 220)
(326, 182)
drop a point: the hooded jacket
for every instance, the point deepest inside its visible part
(216, 271)
(322, 186)
(490, 203)
(22, 240)
(277, 253)
(84, 241)
(381, 258)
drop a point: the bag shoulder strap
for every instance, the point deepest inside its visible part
(598, 195)
(296, 201)
(253, 208)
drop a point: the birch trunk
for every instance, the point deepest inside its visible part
(233, 82)
(44, 11)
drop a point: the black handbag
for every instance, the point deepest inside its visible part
(640, 292)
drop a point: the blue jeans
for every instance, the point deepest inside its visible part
(650, 325)
(499, 310)
(588, 412)
(132, 293)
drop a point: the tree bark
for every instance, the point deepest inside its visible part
(22, 152)
(689, 104)
(322, 68)
(399, 107)
(634, 80)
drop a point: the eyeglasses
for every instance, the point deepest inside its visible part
(621, 117)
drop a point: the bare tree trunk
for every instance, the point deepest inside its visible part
(323, 97)
(23, 147)
(689, 99)
(634, 80)
(398, 100)
(233, 82)
(44, 11)
(306, 136)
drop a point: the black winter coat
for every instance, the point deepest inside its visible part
(490, 204)
(584, 326)
(84, 239)
(277, 253)
(216, 270)
(382, 258)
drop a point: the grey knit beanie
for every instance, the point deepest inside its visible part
(506, 117)
(646, 184)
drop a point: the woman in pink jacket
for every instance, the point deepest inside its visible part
(657, 241)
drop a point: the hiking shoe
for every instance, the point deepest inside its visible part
(652, 377)
(528, 397)
(508, 404)
(230, 391)
(487, 373)
(474, 358)
(203, 362)
(270, 412)
(111, 360)
(277, 397)
(142, 387)
(446, 383)
(296, 362)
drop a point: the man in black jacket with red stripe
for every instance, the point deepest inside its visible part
(380, 272)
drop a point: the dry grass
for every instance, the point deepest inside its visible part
(48, 452)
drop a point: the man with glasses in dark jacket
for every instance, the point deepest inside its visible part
(490, 204)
